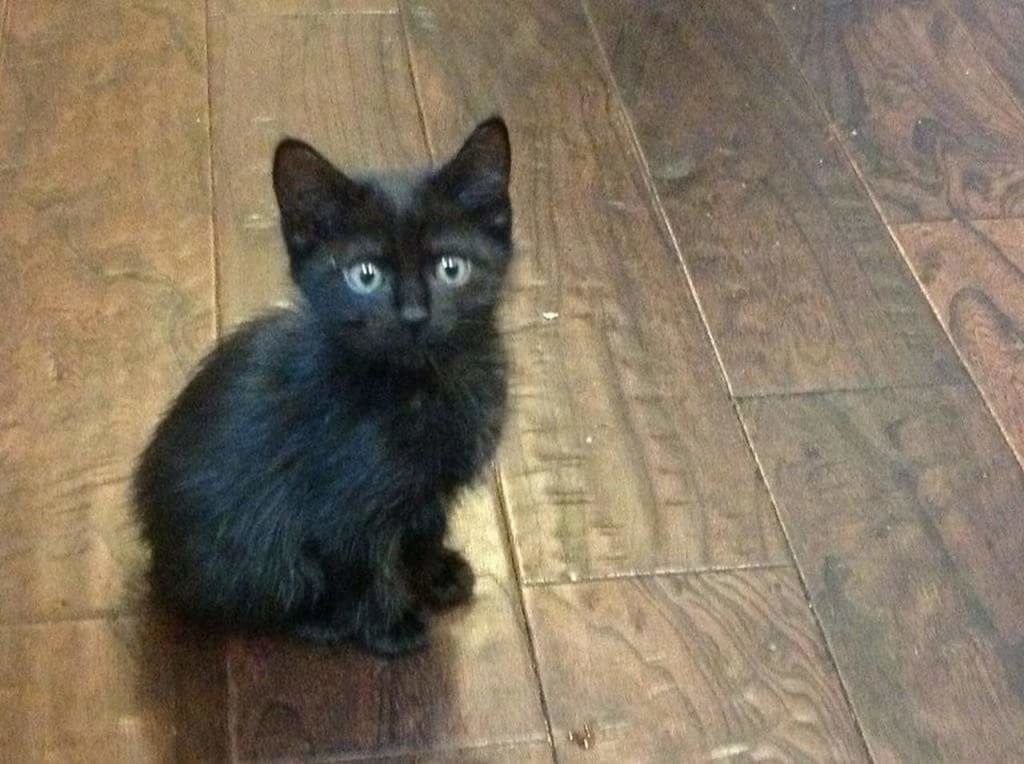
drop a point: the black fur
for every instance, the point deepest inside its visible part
(301, 480)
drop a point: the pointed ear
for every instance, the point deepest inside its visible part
(313, 196)
(477, 177)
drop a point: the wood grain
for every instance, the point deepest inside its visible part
(125, 689)
(473, 687)
(799, 280)
(934, 132)
(973, 273)
(903, 510)
(622, 452)
(105, 279)
(997, 28)
(533, 753)
(689, 668)
(300, 7)
(340, 82)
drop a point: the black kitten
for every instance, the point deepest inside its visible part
(301, 480)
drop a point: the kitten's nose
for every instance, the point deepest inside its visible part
(413, 315)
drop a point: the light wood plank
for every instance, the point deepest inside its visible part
(106, 281)
(973, 273)
(799, 280)
(350, 93)
(339, 82)
(107, 284)
(689, 668)
(904, 512)
(933, 130)
(622, 452)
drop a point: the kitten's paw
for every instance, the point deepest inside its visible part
(406, 635)
(450, 580)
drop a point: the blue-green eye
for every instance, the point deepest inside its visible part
(453, 271)
(364, 278)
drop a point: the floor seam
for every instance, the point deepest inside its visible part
(521, 588)
(660, 573)
(218, 316)
(414, 77)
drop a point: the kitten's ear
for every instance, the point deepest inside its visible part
(313, 196)
(477, 176)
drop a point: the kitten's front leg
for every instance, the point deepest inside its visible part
(440, 576)
(367, 602)
(388, 619)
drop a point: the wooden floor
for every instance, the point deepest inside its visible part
(760, 494)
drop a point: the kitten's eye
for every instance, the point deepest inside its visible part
(364, 278)
(453, 271)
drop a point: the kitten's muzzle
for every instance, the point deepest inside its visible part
(413, 316)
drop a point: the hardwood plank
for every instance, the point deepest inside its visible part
(292, 699)
(622, 452)
(110, 690)
(933, 130)
(973, 273)
(474, 686)
(349, 93)
(997, 28)
(300, 7)
(688, 668)
(799, 280)
(903, 510)
(106, 281)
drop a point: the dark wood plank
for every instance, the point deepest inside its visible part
(349, 93)
(973, 274)
(934, 132)
(799, 280)
(105, 279)
(125, 689)
(689, 668)
(622, 452)
(997, 29)
(904, 513)
(473, 687)
(300, 7)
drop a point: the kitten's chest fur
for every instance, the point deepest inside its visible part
(440, 424)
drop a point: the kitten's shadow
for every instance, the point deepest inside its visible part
(297, 699)
(284, 698)
(181, 676)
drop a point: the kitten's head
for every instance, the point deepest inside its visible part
(400, 268)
